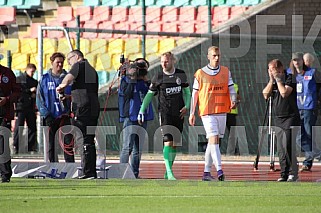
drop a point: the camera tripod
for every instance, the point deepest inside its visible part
(271, 135)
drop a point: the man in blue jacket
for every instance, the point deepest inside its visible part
(53, 110)
(133, 88)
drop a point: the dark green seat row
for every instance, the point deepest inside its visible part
(21, 4)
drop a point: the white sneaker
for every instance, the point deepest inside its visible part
(292, 178)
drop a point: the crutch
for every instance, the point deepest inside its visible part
(272, 150)
(268, 109)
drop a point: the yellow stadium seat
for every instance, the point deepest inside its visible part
(152, 46)
(19, 61)
(12, 44)
(50, 45)
(116, 46)
(133, 46)
(29, 45)
(166, 44)
(115, 61)
(99, 46)
(85, 45)
(135, 55)
(63, 45)
(33, 59)
(103, 62)
(181, 41)
(91, 58)
(152, 56)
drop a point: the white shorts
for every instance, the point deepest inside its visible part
(214, 124)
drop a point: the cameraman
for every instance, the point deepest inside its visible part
(53, 111)
(133, 88)
(25, 109)
(9, 92)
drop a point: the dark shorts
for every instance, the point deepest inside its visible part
(171, 120)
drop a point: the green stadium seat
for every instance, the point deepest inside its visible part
(3, 3)
(14, 3)
(180, 3)
(110, 2)
(7, 15)
(126, 3)
(198, 2)
(92, 3)
(150, 2)
(220, 2)
(161, 3)
(251, 2)
(30, 4)
(233, 2)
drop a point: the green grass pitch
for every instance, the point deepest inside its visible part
(47, 195)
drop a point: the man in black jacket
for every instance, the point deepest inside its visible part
(25, 109)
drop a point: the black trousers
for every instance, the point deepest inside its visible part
(88, 159)
(5, 162)
(286, 145)
(29, 116)
(55, 135)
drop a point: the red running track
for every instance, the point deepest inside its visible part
(234, 171)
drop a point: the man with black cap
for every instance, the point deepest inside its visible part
(307, 85)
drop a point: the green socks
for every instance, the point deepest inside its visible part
(169, 157)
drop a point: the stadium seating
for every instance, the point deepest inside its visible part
(221, 14)
(103, 62)
(166, 44)
(7, 15)
(181, 3)
(187, 14)
(110, 2)
(251, 2)
(14, 3)
(93, 25)
(91, 58)
(116, 46)
(85, 13)
(132, 47)
(3, 3)
(126, 3)
(92, 3)
(12, 44)
(30, 4)
(153, 14)
(65, 14)
(102, 13)
(33, 30)
(98, 46)
(56, 33)
(105, 25)
(19, 61)
(233, 2)
(50, 45)
(85, 45)
(29, 45)
(170, 14)
(162, 3)
(150, 2)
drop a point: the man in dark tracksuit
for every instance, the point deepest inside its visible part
(85, 106)
(26, 110)
(9, 92)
